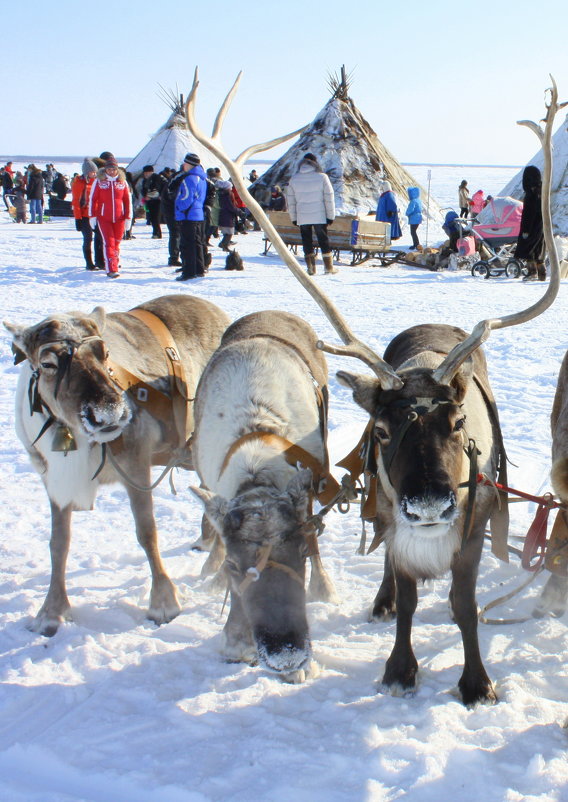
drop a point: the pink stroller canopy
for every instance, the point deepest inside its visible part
(501, 217)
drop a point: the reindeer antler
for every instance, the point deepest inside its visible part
(353, 346)
(483, 329)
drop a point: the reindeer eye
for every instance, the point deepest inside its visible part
(381, 433)
(48, 366)
(459, 424)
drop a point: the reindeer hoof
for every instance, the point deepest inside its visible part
(321, 589)
(382, 611)
(47, 624)
(553, 599)
(481, 693)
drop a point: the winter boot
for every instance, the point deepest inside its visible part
(541, 271)
(531, 272)
(225, 242)
(311, 263)
(328, 263)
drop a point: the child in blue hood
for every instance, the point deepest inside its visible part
(414, 214)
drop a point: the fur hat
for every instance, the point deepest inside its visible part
(148, 168)
(88, 167)
(106, 154)
(192, 158)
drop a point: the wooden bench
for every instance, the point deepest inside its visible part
(362, 237)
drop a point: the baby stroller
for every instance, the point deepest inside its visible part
(497, 228)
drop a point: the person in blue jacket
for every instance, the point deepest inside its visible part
(189, 213)
(387, 210)
(414, 214)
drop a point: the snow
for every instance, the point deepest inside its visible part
(115, 708)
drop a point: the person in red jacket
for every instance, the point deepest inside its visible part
(80, 194)
(110, 207)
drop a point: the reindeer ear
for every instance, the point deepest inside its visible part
(18, 341)
(99, 316)
(365, 389)
(298, 489)
(462, 378)
(215, 506)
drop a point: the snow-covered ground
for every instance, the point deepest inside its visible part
(114, 709)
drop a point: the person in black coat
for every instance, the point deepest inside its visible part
(277, 200)
(7, 187)
(152, 186)
(59, 186)
(530, 243)
(34, 191)
(168, 197)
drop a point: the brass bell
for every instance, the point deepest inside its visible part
(63, 440)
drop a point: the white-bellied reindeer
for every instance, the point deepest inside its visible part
(94, 405)
(429, 404)
(260, 408)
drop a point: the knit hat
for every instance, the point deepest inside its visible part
(148, 169)
(192, 158)
(111, 162)
(223, 184)
(88, 167)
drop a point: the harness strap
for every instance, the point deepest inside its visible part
(157, 404)
(178, 383)
(472, 453)
(326, 487)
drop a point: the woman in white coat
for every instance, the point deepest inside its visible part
(311, 205)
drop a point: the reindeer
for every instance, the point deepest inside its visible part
(81, 429)
(275, 379)
(437, 376)
(554, 596)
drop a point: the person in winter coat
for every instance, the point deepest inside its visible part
(80, 195)
(387, 210)
(152, 186)
(228, 213)
(311, 205)
(110, 208)
(19, 197)
(463, 199)
(530, 242)
(59, 186)
(190, 216)
(414, 214)
(169, 195)
(477, 203)
(277, 200)
(7, 185)
(34, 191)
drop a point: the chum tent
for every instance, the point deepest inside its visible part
(351, 154)
(171, 142)
(559, 186)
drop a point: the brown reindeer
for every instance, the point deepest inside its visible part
(71, 412)
(430, 380)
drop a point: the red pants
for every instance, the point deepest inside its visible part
(111, 234)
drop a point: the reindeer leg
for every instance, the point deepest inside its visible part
(401, 667)
(206, 540)
(474, 684)
(164, 605)
(553, 598)
(321, 587)
(238, 644)
(214, 561)
(56, 608)
(384, 605)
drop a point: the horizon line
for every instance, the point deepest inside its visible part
(127, 159)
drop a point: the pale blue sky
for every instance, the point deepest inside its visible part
(439, 82)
